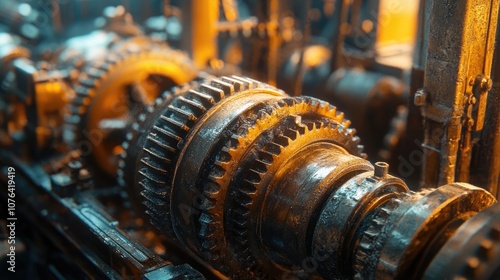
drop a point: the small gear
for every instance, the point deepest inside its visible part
(113, 88)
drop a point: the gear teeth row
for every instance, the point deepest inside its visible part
(96, 72)
(165, 141)
(379, 227)
(208, 223)
(479, 240)
(368, 249)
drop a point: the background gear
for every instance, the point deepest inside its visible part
(112, 89)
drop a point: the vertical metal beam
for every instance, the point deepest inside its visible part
(200, 22)
(487, 162)
(459, 49)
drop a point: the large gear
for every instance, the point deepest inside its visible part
(115, 88)
(266, 112)
(167, 137)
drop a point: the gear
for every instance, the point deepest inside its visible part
(250, 179)
(382, 254)
(264, 113)
(266, 162)
(167, 137)
(367, 254)
(113, 88)
(473, 252)
(136, 137)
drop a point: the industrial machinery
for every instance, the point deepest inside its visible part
(255, 139)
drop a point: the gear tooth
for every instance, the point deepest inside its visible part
(292, 134)
(224, 156)
(262, 116)
(260, 166)
(215, 93)
(327, 107)
(205, 100)
(228, 88)
(333, 111)
(360, 148)
(266, 157)
(176, 126)
(282, 140)
(340, 116)
(194, 106)
(369, 245)
(254, 176)
(312, 126)
(212, 188)
(249, 187)
(274, 148)
(89, 83)
(238, 85)
(307, 100)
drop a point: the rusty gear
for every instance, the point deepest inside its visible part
(113, 88)
(260, 184)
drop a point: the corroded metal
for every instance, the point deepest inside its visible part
(456, 54)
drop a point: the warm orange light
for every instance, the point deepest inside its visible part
(397, 22)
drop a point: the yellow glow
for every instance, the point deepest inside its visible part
(397, 22)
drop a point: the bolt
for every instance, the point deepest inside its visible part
(420, 98)
(75, 167)
(486, 84)
(381, 169)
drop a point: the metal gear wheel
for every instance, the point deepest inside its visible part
(404, 228)
(113, 90)
(178, 142)
(167, 137)
(473, 252)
